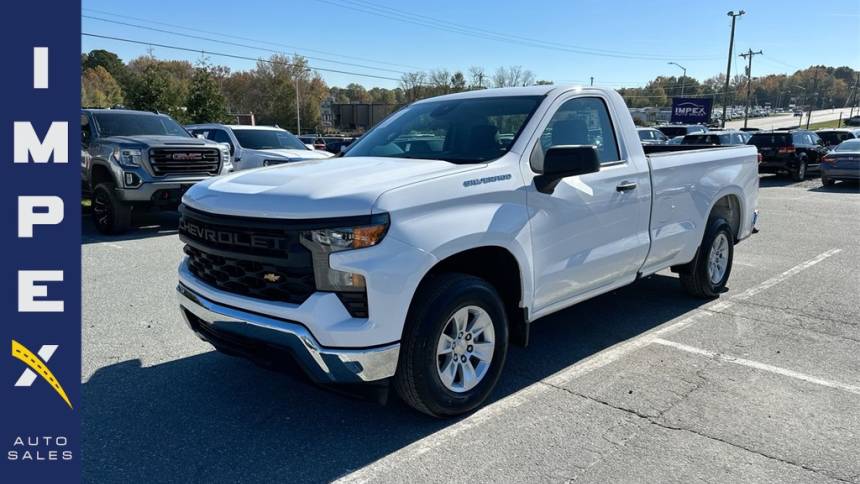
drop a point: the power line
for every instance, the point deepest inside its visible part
(415, 19)
(259, 41)
(504, 35)
(233, 56)
(235, 44)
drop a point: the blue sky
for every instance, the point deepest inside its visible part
(556, 40)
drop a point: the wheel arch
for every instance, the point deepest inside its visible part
(499, 266)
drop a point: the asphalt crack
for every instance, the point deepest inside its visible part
(654, 420)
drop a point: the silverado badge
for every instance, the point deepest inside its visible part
(272, 277)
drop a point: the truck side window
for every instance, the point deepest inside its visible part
(220, 136)
(582, 121)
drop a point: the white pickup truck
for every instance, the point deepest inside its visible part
(438, 237)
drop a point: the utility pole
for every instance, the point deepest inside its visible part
(853, 97)
(592, 80)
(683, 78)
(734, 15)
(298, 110)
(748, 55)
(815, 103)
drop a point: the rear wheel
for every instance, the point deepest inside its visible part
(110, 215)
(707, 274)
(453, 346)
(799, 174)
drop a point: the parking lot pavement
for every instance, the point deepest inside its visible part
(643, 384)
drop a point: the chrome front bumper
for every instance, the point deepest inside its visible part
(254, 335)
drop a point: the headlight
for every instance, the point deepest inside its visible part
(323, 242)
(127, 157)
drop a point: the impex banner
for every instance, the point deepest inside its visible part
(689, 110)
(40, 228)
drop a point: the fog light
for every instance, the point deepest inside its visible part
(131, 180)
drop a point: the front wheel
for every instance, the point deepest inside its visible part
(453, 347)
(707, 274)
(110, 215)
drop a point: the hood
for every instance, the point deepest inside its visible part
(292, 154)
(158, 140)
(330, 187)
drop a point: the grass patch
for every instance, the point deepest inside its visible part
(825, 124)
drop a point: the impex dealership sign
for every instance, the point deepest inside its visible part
(40, 232)
(689, 110)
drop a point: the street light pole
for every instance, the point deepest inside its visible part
(683, 78)
(749, 54)
(734, 15)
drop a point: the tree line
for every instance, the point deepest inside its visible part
(203, 92)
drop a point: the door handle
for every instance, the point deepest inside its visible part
(625, 186)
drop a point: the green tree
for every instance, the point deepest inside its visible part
(205, 102)
(108, 60)
(99, 88)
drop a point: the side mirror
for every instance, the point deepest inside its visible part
(563, 161)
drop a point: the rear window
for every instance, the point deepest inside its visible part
(701, 139)
(834, 137)
(672, 131)
(770, 139)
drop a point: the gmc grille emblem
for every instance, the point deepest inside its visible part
(229, 238)
(187, 156)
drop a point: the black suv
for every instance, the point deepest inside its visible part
(794, 151)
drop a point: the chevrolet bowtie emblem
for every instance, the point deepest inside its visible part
(272, 277)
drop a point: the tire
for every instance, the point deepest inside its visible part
(697, 278)
(828, 182)
(110, 215)
(800, 173)
(419, 376)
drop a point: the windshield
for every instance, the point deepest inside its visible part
(268, 139)
(458, 131)
(138, 124)
(852, 145)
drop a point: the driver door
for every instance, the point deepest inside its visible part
(592, 231)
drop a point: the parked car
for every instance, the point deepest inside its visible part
(672, 130)
(420, 267)
(715, 138)
(314, 142)
(853, 121)
(651, 136)
(795, 151)
(137, 160)
(798, 113)
(257, 146)
(336, 144)
(675, 141)
(843, 163)
(832, 137)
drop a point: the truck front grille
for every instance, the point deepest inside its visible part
(251, 278)
(184, 161)
(246, 256)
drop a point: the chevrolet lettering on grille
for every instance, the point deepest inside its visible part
(226, 237)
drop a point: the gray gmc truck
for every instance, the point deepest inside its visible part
(133, 160)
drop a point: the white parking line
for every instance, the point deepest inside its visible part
(393, 461)
(758, 365)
